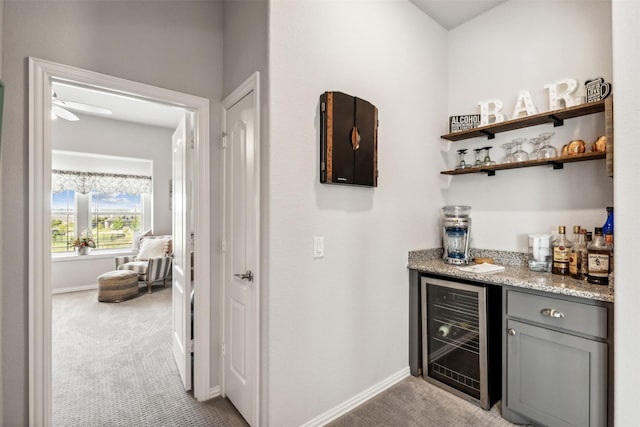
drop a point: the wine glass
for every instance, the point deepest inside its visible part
(487, 159)
(478, 162)
(461, 162)
(519, 155)
(537, 144)
(508, 146)
(547, 151)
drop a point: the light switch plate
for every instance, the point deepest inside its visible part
(318, 247)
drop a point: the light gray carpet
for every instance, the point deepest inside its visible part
(113, 366)
(413, 402)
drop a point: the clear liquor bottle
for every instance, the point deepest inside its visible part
(578, 258)
(599, 253)
(561, 249)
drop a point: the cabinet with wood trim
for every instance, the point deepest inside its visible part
(557, 117)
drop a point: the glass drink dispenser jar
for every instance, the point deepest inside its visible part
(456, 232)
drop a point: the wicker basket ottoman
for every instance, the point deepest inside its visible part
(117, 286)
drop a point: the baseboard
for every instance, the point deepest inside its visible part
(74, 289)
(215, 392)
(357, 400)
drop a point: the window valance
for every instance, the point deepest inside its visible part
(109, 183)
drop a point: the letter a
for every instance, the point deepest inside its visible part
(524, 104)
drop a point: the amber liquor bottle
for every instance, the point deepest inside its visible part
(561, 251)
(599, 253)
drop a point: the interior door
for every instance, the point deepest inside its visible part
(241, 257)
(182, 214)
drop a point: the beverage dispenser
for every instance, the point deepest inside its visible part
(456, 234)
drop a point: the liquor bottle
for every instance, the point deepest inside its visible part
(578, 257)
(599, 253)
(607, 228)
(561, 249)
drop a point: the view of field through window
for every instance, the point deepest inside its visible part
(112, 219)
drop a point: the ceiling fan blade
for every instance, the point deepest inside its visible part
(82, 107)
(64, 114)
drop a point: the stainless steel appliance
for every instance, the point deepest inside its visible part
(461, 347)
(456, 234)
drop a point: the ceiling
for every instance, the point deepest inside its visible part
(124, 108)
(448, 13)
(451, 13)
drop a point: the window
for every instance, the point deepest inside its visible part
(63, 220)
(115, 218)
(112, 207)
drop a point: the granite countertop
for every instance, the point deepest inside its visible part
(516, 274)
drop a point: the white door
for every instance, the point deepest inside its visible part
(182, 211)
(241, 257)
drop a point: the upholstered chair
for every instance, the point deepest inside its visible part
(153, 261)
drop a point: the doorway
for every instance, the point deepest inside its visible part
(41, 75)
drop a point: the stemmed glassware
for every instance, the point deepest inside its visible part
(478, 162)
(547, 151)
(519, 155)
(461, 162)
(537, 144)
(508, 146)
(487, 159)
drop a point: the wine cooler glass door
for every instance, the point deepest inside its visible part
(455, 334)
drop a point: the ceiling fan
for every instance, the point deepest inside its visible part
(60, 108)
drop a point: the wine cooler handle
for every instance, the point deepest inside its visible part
(511, 331)
(551, 312)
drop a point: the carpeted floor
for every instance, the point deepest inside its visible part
(113, 366)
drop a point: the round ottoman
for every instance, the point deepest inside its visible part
(118, 285)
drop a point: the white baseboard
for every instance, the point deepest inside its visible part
(74, 289)
(357, 400)
(215, 392)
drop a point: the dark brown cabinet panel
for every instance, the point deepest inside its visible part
(348, 140)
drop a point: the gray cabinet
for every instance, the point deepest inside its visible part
(557, 358)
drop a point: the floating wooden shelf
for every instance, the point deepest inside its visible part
(556, 117)
(556, 162)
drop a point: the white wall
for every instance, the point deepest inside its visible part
(523, 45)
(116, 138)
(338, 324)
(626, 67)
(173, 44)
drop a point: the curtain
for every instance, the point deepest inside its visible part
(85, 182)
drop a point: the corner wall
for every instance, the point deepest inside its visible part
(173, 44)
(338, 325)
(523, 45)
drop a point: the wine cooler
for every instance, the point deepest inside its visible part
(461, 346)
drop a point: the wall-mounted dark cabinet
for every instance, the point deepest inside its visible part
(348, 140)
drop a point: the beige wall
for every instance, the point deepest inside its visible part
(171, 44)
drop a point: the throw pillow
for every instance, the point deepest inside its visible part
(137, 240)
(151, 248)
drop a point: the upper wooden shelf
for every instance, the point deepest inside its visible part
(556, 117)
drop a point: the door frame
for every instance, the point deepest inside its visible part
(41, 74)
(249, 85)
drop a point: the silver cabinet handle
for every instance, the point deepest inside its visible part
(551, 312)
(511, 331)
(245, 276)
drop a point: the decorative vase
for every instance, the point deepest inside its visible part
(84, 250)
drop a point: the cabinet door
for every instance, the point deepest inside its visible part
(556, 379)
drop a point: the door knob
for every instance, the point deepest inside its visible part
(245, 276)
(511, 331)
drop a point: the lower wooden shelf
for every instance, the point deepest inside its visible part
(556, 162)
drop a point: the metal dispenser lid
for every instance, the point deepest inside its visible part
(456, 211)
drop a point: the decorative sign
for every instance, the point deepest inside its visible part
(491, 109)
(524, 104)
(562, 91)
(458, 123)
(597, 89)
